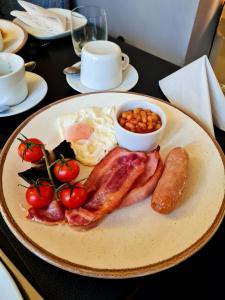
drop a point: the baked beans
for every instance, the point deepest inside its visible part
(140, 120)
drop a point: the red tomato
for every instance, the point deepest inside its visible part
(41, 195)
(73, 197)
(66, 170)
(29, 150)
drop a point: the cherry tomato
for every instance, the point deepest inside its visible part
(29, 150)
(66, 170)
(73, 197)
(40, 195)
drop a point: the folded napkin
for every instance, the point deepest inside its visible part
(39, 17)
(196, 90)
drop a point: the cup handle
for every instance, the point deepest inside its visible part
(125, 61)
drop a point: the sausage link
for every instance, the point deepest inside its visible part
(169, 190)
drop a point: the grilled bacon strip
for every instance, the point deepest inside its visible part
(52, 214)
(146, 182)
(104, 167)
(153, 158)
(108, 183)
(141, 192)
(82, 218)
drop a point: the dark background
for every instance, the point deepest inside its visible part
(201, 276)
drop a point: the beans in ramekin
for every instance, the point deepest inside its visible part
(140, 120)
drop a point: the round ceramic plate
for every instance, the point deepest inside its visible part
(130, 78)
(14, 37)
(132, 241)
(44, 34)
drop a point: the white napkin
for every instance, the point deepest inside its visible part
(196, 90)
(39, 17)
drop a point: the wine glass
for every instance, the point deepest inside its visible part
(88, 23)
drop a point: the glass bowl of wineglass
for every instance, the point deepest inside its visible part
(88, 23)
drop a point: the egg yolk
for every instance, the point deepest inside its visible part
(79, 131)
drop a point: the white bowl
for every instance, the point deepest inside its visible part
(139, 141)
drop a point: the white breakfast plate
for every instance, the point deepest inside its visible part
(37, 89)
(46, 35)
(130, 78)
(132, 241)
(14, 37)
(8, 287)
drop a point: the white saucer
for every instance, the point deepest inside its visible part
(9, 289)
(130, 78)
(14, 37)
(44, 34)
(37, 89)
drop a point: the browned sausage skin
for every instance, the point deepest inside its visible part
(169, 190)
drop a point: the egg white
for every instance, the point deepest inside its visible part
(102, 140)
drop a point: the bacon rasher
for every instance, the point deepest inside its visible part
(104, 167)
(146, 183)
(52, 214)
(107, 185)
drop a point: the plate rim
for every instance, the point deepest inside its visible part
(23, 42)
(45, 37)
(100, 272)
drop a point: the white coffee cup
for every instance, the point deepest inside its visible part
(1, 41)
(13, 84)
(102, 65)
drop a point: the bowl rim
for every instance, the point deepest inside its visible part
(163, 118)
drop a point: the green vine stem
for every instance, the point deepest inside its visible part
(49, 172)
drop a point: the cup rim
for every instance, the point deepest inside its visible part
(137, 134)
(85, 48)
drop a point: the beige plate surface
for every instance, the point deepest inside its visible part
(14, 37)
(133, 241)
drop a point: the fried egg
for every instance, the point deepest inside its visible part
(90, 132)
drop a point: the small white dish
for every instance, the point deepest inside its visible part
(14, 37)
(37, 89)
(139, 141)
(130, 78)
(8, 287)
(44, 34)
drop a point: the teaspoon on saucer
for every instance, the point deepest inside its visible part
(72, 70)
(29, 66)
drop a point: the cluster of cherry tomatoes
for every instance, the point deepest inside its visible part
(39, 194)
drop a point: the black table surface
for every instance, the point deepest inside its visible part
(202, 274)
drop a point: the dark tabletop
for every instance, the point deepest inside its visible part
(201, 275)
